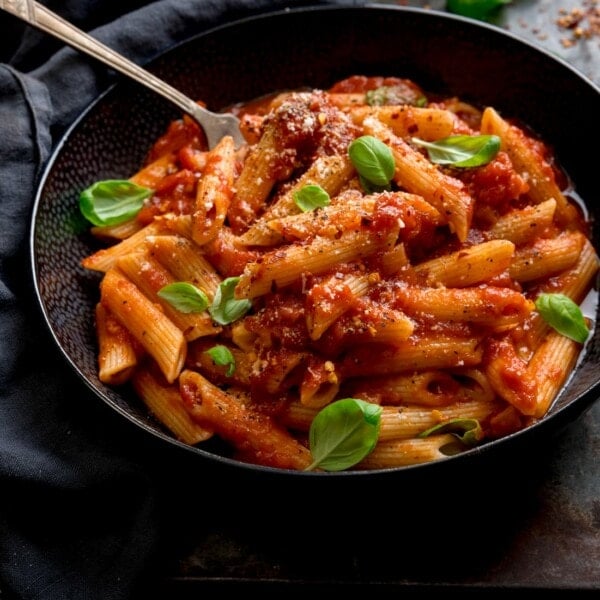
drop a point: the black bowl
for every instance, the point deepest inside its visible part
(305, 47)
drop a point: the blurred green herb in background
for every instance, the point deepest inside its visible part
(476, 9)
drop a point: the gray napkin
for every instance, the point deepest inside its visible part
(82, 494)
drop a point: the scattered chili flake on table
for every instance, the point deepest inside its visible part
(583, 22)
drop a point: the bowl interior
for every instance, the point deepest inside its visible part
(305, 47)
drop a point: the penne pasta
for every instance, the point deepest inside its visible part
(435, 352)
(469, 266)
(405, 120)
(357, 280)
(401, 453)
(253, 433)
(284, 266)
(165, 402)
(117, 355)
(403, 422)
(214, 192)
(159, 336)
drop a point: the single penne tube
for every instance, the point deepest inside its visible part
(400, 453)
(254, 434)
(526, 159)
(280, 369)
(507, 373)
(410, 421)
(283, 266)
(523, 225)
(573, 283)
(151, 174)
(116, 352)
(415, 353)
(147, 323)
(394, 260)
(429, 124)
(546, 257)
(166, 404)
(431, 388)
(576, 282)
(214, 191)
(185, 261)
(150, 277)
(468, 266)
(347, 100)
(320, 383)
(255, 181)
(371, 322)
(398, 422)
(417, 175)
(495, 307)
(551, 364)
(328, 300)
(121, 231)
(105, 258)
(175, 224)
(466, 111)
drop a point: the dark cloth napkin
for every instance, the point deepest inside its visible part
(86, 499)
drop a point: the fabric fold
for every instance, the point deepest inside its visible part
(82, 502)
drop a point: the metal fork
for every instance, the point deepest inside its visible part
(215, 125)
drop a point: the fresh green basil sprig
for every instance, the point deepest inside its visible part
(184, 296)
(373, 161)
(310, 197)
(112, 201)
(564, 315)
(461, 150)
(468, 431)
(225, 308)
(343, 433)
(475, 9)
(222, 356)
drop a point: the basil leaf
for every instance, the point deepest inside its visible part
(561, 313)
(373, 160)
(112, 201)
(226, 308)
(371, 188)
(310, 197)
(185, 297)
(468, 431)
(475, 9)
(343, 433)
(462, 150)
(221, 356)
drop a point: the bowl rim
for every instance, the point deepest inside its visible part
(569, 412)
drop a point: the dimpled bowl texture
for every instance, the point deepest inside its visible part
(305, 47)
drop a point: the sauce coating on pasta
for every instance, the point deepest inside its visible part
(370, 241)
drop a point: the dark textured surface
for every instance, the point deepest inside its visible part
(535, 521)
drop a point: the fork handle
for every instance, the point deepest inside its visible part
(215, 125)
